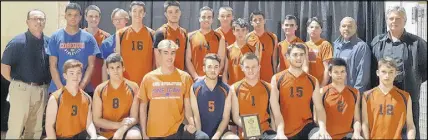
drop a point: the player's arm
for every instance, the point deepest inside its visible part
(225, 76)
(235, 107)
(222, 52)
(365, 125)
(411, 130)
(314, 111)
(305, 66)
(104, 75)
(51, 113)
(195, 109)
(226, 116)
(188, 112)
(97, 112)
(5, 71)
(53, 67)
(88, 72)
(326, 76)
(321, 115)
(357, 119)
(143, 109)
(90, 128)
(274, 103)
(189, 63)
(275, 55)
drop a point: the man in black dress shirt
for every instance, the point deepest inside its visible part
(26, 65)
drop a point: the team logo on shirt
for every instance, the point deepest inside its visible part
(72, 48)
(166, 90)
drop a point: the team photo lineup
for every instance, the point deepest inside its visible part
(235, 81)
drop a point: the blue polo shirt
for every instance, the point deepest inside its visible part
(357, 55)
(78, 46)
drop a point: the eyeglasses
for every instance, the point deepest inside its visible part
(38, 19)
(118, 19)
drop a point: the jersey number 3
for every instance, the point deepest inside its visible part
(211, 106)
(74, 109)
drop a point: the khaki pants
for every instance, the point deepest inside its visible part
(27, 105)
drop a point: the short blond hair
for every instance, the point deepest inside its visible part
(71, 63)
(167, 44)
(120, 12)
(388, 61)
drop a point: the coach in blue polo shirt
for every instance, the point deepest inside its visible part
(26, 65)
(355, 52)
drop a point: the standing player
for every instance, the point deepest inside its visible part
(320, 52)
(387, 109)
(134, 43)
(341, 103)
(68, 114)
(72, 43)
(225, 16)
(93, 16)
(172, 31)
(233, 72)
(266, 43)
(119, 18)
(115, 105)
(211, 103)
(293, 93)
(164, 94)
(204, 41)
(289, 26)
(251, 96)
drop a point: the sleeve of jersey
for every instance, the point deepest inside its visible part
(188, 86)
(158, 38)
(94, 49)
(107, 46)
(143, 91)
(9, 54)
(327, 52)
(53, 46)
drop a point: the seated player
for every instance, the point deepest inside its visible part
(251, 96)
(165, 103)
(211, 103)
(115, 106)
(341, 103)
(386, 109)
(68, 114)
(293, 93)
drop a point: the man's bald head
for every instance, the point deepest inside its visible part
(348, 27)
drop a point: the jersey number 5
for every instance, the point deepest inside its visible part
(211, 106)
(299, 91)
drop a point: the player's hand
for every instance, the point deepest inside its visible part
(145, 137)
(322, 134)
(106, 34)
(81, 86)
(280, 136)
(199, 78)
(126, 121)
(215, 137)
(357, 136)
(190, 128)
(118, 135)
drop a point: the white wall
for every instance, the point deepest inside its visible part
(14, 15)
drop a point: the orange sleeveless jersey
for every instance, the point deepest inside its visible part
(283, 47)
(179, 36)
(386, 113)
(116, 103)
(137, 52)
(234, 55)
(228, 37)
(96, 78)
(254, 100)
(266, 43)
(72, 112)
(339, 109)
(295, 98)
(318, 53)
(165, 96)
(202, 45)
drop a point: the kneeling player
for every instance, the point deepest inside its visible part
(341, 103)
(386, 109)
(211, 102)
(251, 96)
(115, 104)
(68, 114)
